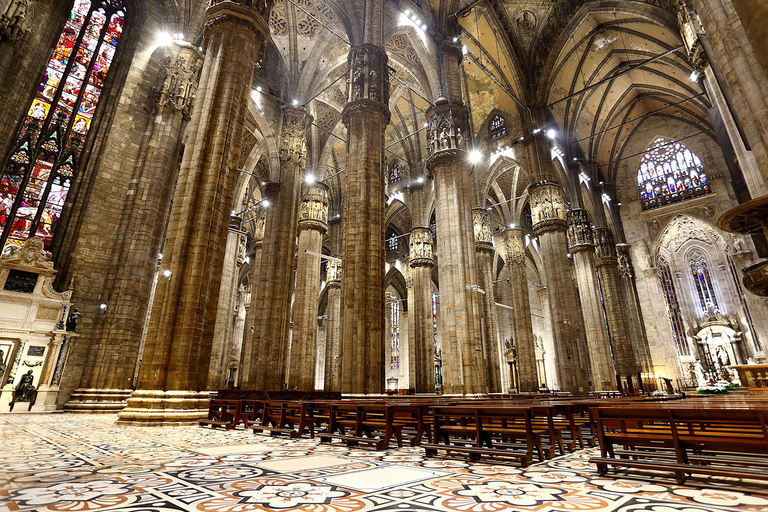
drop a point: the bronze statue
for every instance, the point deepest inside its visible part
(73, 320)
(24, 389)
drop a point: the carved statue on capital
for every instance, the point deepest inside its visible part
(580, 234)
(605, 244)
(368, 80)
(626, 269)
(260, 223)
(421, 251)
(334, 273)
(15, 21)
(482, 224)
(293, 138)
(313, 211)
(547, 206)
(447, 129)
(514, 246)
(180, 86)
(690, 29)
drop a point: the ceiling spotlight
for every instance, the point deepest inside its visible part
(309, 178)
(475, 157)
(258, 88)
(575, 159)
(103, 306)
(160, 256)
(164, 39)
(167, 273)
(694, 76)
(513, 225)
(551, 134)
(295, 103)
(265, 203)
(420, 179)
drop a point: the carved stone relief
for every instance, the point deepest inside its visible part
(421, 250)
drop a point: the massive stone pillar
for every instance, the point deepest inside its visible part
(640, 345)
(333, 331)
(246, 354)
(108, 374)
(581, 242)
(275, 281)
(421, 262)
(366, 117)
(464, 365)
(490, 319)
(177, 352)
(313, 223)
(224, 332)
(549, 225)
(616, 308)
(525, 344)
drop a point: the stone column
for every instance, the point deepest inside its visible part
(464, 367)
(525, 344)
(550, 226)
(490, 319)
(616, 307)
(366, 117)
(111, 362)
(223, 335)
(313, 224)
(275, 282)
(421, 262)
(333, 331)
(177, 352)
(246, 354)
(581, 243)
(640, 345)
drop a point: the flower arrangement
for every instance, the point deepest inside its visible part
(720, 387)
(660, 393)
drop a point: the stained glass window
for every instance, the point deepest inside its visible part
(703, 283)
(673, 307)
(40, 170)
(434, 319)
(395, 340)
(393, 243)
(498, 127)
(670, 173)
(395, 174)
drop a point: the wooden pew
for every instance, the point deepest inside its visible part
(684, 440)
(231, 407)
(366, 423)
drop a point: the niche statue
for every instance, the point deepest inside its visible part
(25, 391)
(73, 320)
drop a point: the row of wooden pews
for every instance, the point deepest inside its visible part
(721, 436)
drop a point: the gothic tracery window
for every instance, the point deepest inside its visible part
(395, 175)
(670, 173)
(39, 173)
(673, 307)
(703, 282)
(395, 339)
(498, 127)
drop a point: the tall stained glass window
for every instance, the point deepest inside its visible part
(395, 175)
(673, 307)
(39, 173)
(498, 127)
(395, 340)
(703, 282)
(670, 173)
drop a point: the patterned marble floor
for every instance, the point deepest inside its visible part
(66, 462)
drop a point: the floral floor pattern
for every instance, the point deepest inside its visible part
(67, 462)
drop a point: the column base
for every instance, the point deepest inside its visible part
(98, 400)
(148, 408)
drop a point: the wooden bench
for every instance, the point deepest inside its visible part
(494, 431)
(362, 423)
(684, 440)
(231, 407)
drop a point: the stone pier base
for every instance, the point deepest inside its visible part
(164, 408)
(98, 400)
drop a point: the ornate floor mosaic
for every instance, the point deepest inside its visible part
(66, 462)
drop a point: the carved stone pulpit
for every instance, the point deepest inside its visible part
(33, 332)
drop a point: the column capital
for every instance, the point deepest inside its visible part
(580, 235)
(333, 275)
(180, 85)
(514, 246)
(626, 268)
(260, 224)
(482, 224)
(690, 30)
(547, 207)
(293, 136)
(313, 211)
(605, 247)
(447, 133)
(420, 245)
(229, 15)
(368, 82)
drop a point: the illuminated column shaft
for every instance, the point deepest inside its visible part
(582, 246)
(549, 225)
(112, 355)
(313, 224)
(333, 331)
(422, 340)
(177, 351)
(514, 248)
(640, 344)
(616, 310)
(490, 318)
(246, 355)
(366, 117)
(275, 284)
